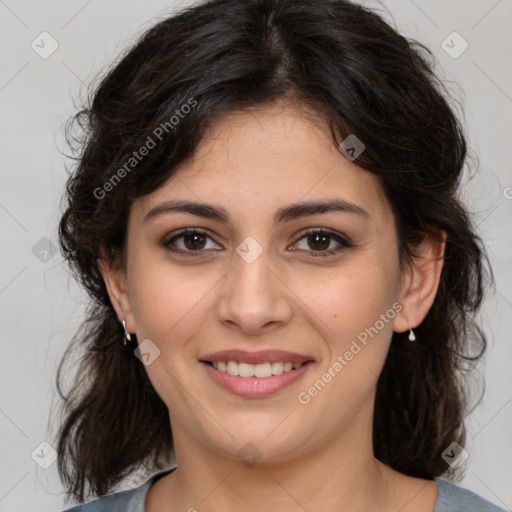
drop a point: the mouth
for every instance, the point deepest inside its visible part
(255, 375)
(259, 371)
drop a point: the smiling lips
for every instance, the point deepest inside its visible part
(255, 374)
(260, 370)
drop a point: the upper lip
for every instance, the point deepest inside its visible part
(263, 356)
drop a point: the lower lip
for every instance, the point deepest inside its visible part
(256, 387)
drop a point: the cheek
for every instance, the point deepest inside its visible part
(168, 307)
(353, 297)
(166, 301)
(358, 307)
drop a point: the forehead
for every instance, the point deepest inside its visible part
(260, 158)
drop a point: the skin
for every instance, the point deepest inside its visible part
(317, 456)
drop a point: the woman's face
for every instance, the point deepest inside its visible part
(253, 280)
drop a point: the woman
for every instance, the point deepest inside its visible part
(265, 213)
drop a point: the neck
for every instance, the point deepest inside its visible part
(331, 476)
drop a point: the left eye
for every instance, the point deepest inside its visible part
(320, 242)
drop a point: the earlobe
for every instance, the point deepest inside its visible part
(420, 282)
(115, 282)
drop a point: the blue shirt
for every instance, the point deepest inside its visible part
(450, 498)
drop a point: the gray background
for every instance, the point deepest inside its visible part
(41, 306)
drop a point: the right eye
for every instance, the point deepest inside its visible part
(189, 242)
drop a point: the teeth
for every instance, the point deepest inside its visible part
(232, 368)
(277, 368)
(245, 370)
(262, 370)
(255, 370)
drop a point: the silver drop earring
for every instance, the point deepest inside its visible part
(412, 336)
(127, 336)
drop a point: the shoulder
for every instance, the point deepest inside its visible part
(453, 498)
(131, 500)
(124, 501)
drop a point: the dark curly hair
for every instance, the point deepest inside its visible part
(352, 69)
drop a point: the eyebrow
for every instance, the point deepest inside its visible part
(284, 214)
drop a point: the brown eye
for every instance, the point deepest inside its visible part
(194, 241)
(190, 242)
(322, 243)
(319, 241)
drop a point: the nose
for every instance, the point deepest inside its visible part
(254, 296)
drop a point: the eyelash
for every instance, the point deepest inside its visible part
(343, 241)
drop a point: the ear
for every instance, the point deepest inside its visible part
(420, 281)
(115, 281)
